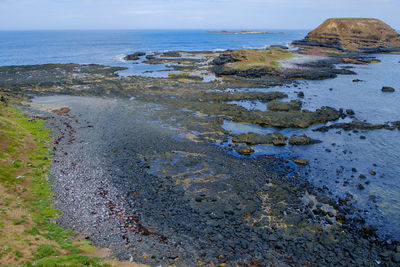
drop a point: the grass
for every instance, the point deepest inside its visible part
(259, 58)
(29, 237)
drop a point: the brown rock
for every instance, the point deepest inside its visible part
(245, 150)
(302, 140)
(62, 111)
(353, 61)
(284, 106)
(361, 34)
(301, 161)
(276, 139)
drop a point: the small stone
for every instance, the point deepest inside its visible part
(384, 255)
(350, 112)
(372, 173)
(388, 89)
(362, 176)
(353, 169)
(245, 150)
(301, 161)
(300, 94)
(363, 137)
(360, 187)
(396, 258)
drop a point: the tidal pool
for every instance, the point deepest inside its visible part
(345, 156)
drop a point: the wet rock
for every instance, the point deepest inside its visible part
(388, 89)
(134, 56)
(150, 57)
(302, 140)
(255, 139)
(300, 94)
(171, 54)
(360, 187)
(396, 258)
(284, 106)
(350, 112)
(279, 46)
(292, 119)
(351, 126)
(396, 124)
(372, 173)
(279, 141)
(357, 80)
(245, 150)
(223, 59)
(237, 96)
(301, 162)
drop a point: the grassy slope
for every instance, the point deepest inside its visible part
(259, 58)
(28, 234)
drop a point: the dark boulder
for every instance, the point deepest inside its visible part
(388, 89)
(302, 140)
(134, 56)
(223, 59)
(171, 54)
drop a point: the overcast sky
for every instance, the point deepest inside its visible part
(188, 14)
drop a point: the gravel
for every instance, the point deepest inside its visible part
(125, 182)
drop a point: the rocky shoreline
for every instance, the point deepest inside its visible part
(144, 165)
(152, 198)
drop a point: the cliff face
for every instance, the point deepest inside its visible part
(354, 34)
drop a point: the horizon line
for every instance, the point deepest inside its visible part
(158, 29)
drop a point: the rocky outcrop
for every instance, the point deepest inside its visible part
(276, 139)
(354, 34)
(302, 140)
(134, 56)
(284, 106)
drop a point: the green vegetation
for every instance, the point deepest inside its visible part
(68, 261)
(184, 76)
(259, 58)
(28, 234)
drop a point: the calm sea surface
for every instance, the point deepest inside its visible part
(379, 152)
(108, 47)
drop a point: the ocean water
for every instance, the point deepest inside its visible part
(379, 152)
(109, 46)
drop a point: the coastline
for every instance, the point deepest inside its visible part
(136, 167)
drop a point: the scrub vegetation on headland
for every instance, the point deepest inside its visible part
(193, 204)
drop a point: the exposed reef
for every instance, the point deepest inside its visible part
(276, 139)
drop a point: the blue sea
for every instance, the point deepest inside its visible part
(379, 152)
(109, 46)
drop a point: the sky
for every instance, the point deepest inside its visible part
(188, 14)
